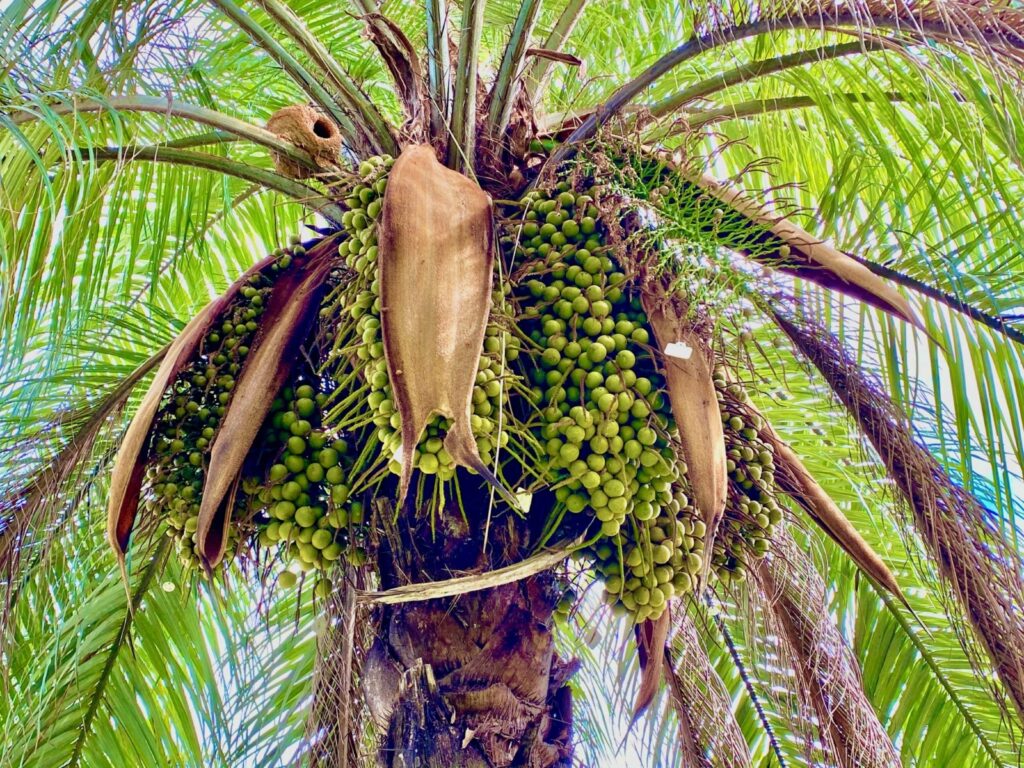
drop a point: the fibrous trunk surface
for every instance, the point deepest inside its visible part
(473, 681)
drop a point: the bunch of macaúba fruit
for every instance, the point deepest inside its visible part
(191, 412)
(600, 414)
(753, 509)
(299, 496)
(359, 348)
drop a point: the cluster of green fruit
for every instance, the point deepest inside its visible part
(753, 510)
(192, 409)
(602, 417)
(360, 224)
(566, 601)
(489, 395)
(653, 561)
(299, 494)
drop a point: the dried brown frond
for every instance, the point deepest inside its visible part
(126, 477)
(992, 29)
(403, 63)
(691, 392)
(290, 312)
(707, 725)
(651, 639)
(798, 483)
(978, 567)
(794, 250)
(827, 673)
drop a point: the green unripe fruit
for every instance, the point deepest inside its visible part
(550, 357)
(661, 554)
(614, 487)
(576, 503)
(321, 539)
(568, 453)
(575, 434)
(429, 463)
(324, 586)
(305, 517)
(357, 556)
(646, 436)
(284, 510)
(693, 563)
(328, 458)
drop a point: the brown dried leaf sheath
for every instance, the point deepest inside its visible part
(130, 465)
(651, 637)
(691, 392)
(292, 306)
(811, 259)
(798, 483)
(436, 255)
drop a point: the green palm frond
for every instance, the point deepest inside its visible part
(136, 181)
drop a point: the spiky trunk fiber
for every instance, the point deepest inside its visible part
(826, 670)
(333, 728)
(978, 566)
(473, 681)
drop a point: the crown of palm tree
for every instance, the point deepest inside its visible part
(820, 154)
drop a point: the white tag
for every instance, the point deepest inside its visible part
(524, 499)
(679, 349)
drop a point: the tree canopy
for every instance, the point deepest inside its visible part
(137, 182)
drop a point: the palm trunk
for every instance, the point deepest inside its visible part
(473, 681)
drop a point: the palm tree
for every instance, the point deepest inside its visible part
(812, 210)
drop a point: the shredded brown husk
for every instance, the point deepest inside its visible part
(826, 671)
(436, 255)
(337, 718)
(308, 130)
(403, 63)
(707, 725)
(976, 564)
